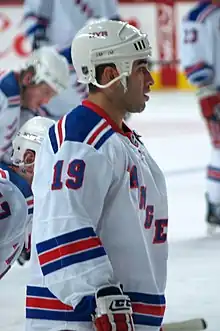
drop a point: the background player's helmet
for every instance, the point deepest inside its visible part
(50, 67)
(30, 136)
(108, 41)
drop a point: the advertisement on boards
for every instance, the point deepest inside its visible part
(166, 41)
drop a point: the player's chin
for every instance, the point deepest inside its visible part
(142, 106)
(32, 105)
(138, 109)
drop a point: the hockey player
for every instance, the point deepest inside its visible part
(45, 75)
(55, 22)
(99, 239)
(200, 51)
(16, 198)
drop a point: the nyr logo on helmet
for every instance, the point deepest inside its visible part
(98, 34)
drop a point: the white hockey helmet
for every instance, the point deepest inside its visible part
(50, 67)
(108, 41)
(30, 136)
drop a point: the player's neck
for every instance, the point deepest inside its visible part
(116, 114)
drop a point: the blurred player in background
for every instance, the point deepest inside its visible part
(200, 57)
(16, 197)
(45, 75)
(99, 240)
(55, 22)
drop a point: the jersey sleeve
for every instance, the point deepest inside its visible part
(36, 19)
(12, 225)
(70, 253)
(8, 127)
(111, 9)
(196, 52)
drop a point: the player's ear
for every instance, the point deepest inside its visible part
(27, 78)
(109, 74)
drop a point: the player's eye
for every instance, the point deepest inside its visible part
(143, 69)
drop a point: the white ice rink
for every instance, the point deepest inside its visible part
(175, 135)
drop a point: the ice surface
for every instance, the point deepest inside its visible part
(176, 137)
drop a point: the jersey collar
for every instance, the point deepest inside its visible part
(98, 110)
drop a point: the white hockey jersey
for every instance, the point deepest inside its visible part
(16, 210)
(9, 112)
(61, 20)
(200, 44)
(12, 115)
(100, 218)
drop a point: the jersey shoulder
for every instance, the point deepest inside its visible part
(201, 12)
(10, 88)
(66, 52)
(9, 174)
(81, 125)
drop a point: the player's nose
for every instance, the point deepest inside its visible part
(149, 79)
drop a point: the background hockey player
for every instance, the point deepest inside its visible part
(55, 22)
(45, 75)
(99, 240)
(16, 197)
(200, 53)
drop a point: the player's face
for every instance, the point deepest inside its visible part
(36, 95)
(28, 171)
(139, 84)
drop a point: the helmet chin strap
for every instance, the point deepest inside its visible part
(124, 74)
(23, 165)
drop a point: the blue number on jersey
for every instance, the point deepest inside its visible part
(75, 172)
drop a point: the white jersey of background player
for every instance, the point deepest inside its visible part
(16, 197)
(45, 74)
(55, 22)
(200, 57)
(100, 215)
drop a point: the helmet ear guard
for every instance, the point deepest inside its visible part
(107, 42)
